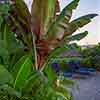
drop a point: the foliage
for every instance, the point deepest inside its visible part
(40, 32)
(92, 56)
(10, 48)
(92, 51)
(24, 83)
(28, 42)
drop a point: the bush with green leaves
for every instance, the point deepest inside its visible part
(92, 57)
(25, 83)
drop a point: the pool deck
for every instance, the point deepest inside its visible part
(89, 88)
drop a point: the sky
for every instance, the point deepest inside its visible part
(85, 7)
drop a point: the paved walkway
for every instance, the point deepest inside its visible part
(89, 88)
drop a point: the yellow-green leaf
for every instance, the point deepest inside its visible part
(22, 74)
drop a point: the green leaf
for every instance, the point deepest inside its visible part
(56, 52)
(51, 75)
(17, 66)
(4, 8)
(20, 4)
(74, 37)
(67, 11)
(42, 14)
(1, 20)
(50, 13)
(5, 76)
(11, 91)
(79, 22)
(24, 68)
(8, 44)
(67, 82)
(16, 55)
(78, 36)
(7, 37)
(63, 92)
(22, 10)
(19, 19)
(63, 19)
(30, 81)
(3, 49)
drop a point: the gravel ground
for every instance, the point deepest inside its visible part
(89, 88)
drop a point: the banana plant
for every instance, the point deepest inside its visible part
(45, 33)
(44, 29)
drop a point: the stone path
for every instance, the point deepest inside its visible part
(89, 88)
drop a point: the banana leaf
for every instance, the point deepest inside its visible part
(76, 37)
(63, 92)
(79, 22)
(21, 9)
(10, 90)
(19, 21)
(42, 15)
(21, 72)
(62, 20)
(5, 75)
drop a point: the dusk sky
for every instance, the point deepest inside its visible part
(86, 7)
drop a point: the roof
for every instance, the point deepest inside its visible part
(71, 53)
